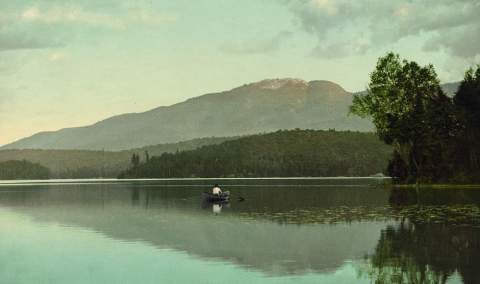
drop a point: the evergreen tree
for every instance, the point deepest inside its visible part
(135, 160)
(282, 153)
(23, 170)
(467, 103)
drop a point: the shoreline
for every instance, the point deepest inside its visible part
(273, 181)
(436, 186)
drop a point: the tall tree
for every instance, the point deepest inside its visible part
(405, 101)
(135, 160)
(467, 103)
(147, 156)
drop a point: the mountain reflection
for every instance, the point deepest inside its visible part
(406, 237)
(173, 218)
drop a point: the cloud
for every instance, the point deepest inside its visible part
(69, 15)
(15, 41)
(49, 24)
(77, 15)
(463, 42)
(57, 56)
(345, 27)
(13, 37)
(258, 46)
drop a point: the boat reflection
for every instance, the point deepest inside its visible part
(217, 208)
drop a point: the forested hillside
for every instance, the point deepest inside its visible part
(282, 153)
(22, 170)
(92, 164)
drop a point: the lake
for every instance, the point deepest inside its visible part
(284, 231)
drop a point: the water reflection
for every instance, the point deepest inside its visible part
(392, 236)
(425, 253)
(215, 206)
(173, 218)
(218, 206)
(439, 236)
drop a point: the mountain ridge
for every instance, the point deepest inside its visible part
(262, 106)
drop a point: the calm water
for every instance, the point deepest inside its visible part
(285, 231)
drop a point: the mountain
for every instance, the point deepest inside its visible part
(449, 88)
(263, 106)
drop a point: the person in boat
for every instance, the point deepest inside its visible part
(216, 190)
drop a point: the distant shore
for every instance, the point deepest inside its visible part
(227, 182)
(437, 186)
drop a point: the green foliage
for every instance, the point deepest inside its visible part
(22, 170)
(278, 154)
(400, 98)
(92, 164)
(411, 112)
(467, 103)
(398, 94)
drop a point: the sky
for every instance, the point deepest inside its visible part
(72, 63)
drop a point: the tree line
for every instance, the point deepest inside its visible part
(23, 170)
(278, 154)
(436, 138)
(94, 164)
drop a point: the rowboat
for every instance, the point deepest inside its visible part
(224, 196)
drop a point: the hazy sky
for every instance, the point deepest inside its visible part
(71, 63)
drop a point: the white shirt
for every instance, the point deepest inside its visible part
(216, 190)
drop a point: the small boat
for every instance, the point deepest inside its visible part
(224, 196)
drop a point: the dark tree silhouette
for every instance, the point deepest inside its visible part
(467, 103)
(411, 112)
(135, 160)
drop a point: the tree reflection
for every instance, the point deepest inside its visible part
(425, 252)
